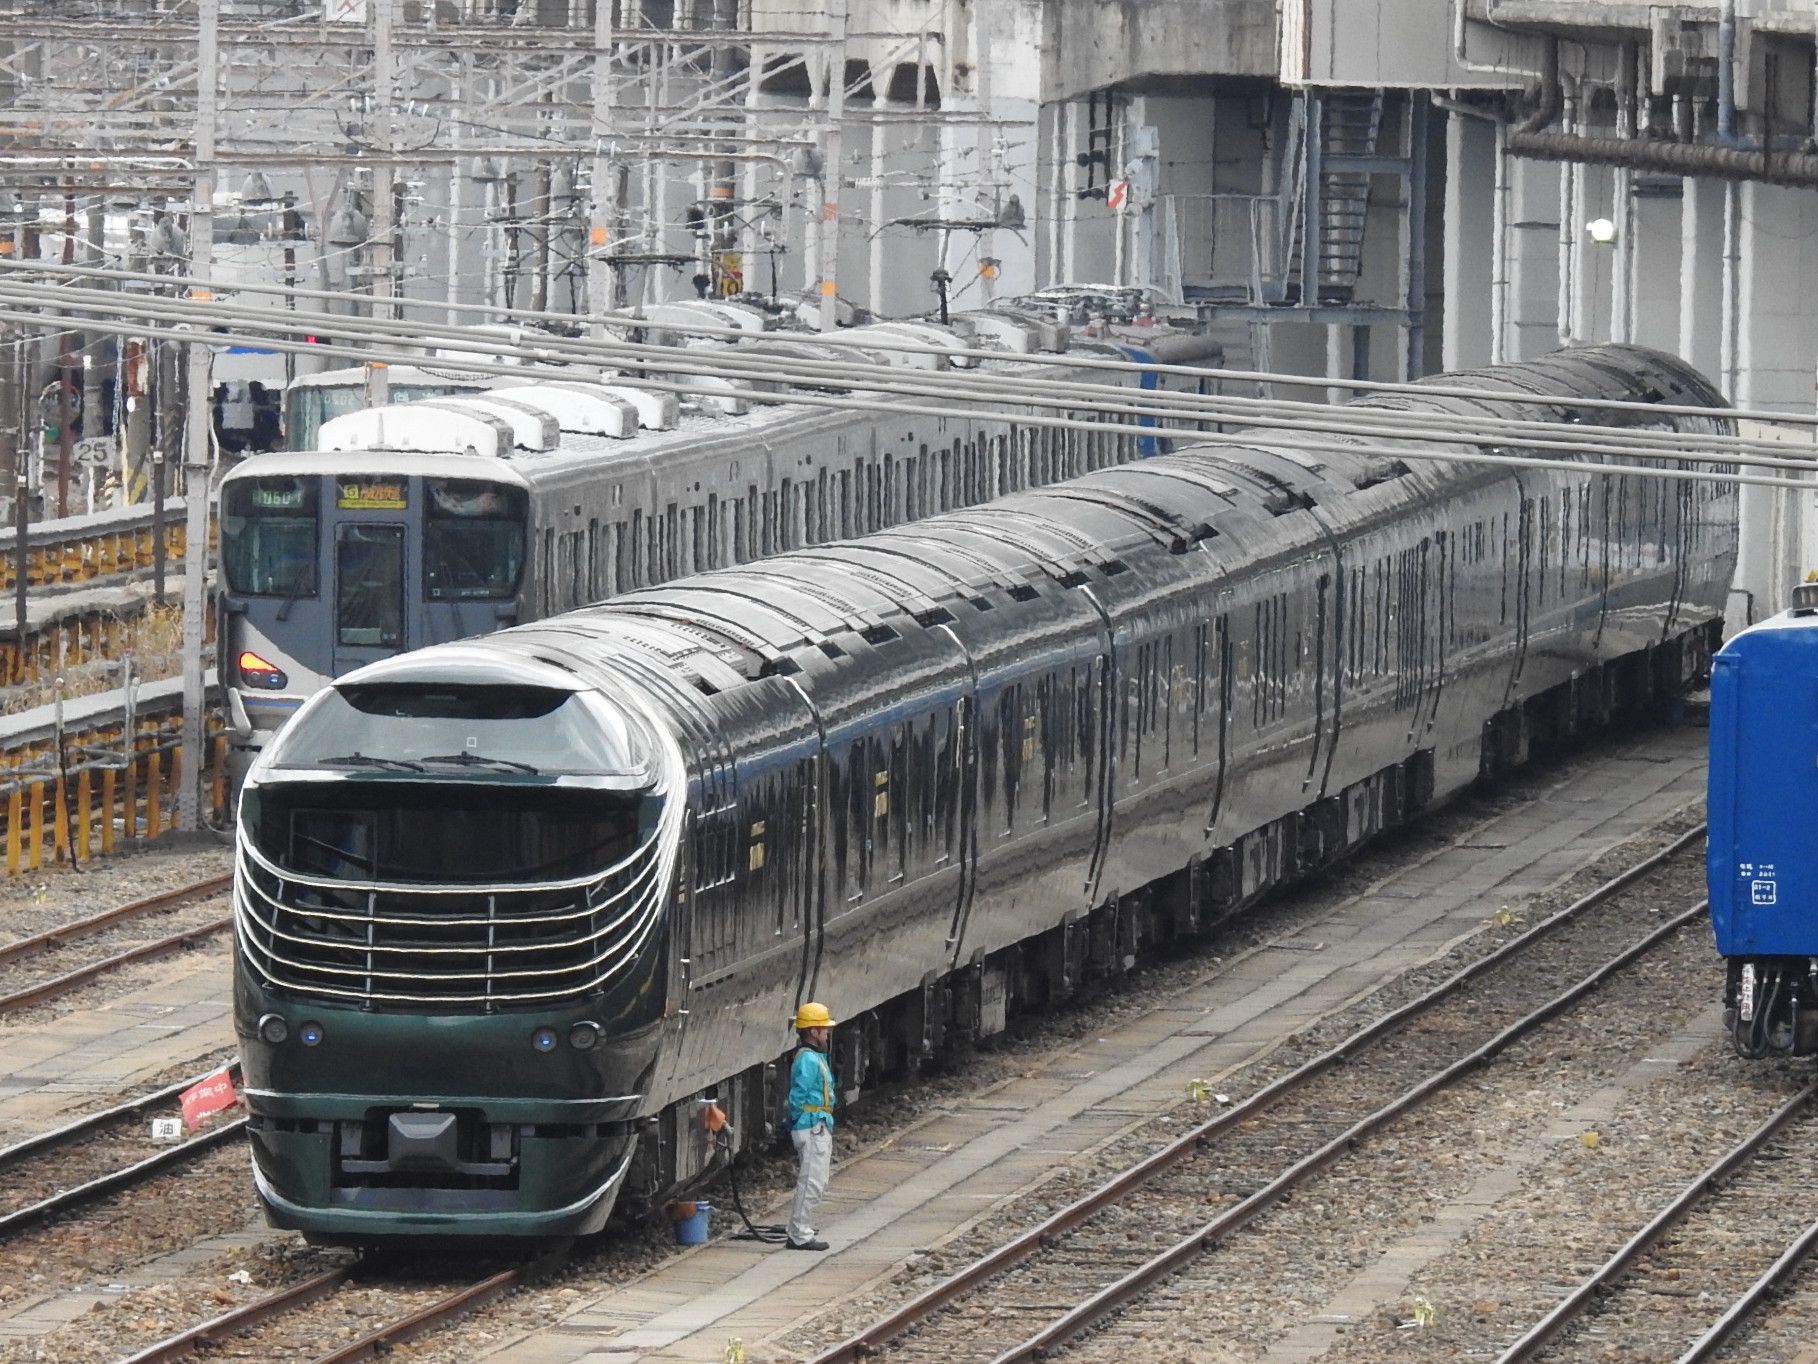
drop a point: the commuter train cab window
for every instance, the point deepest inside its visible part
(268, 536)
(369, 585)
(473, 540)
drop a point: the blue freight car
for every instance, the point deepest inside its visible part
(1763, 811)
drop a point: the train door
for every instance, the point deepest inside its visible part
(1524, 576)
(369, 584)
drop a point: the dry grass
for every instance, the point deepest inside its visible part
(153, 640)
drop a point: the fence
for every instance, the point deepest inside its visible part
(87, 776)
(79, 549)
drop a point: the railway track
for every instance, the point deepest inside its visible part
(283, 1312)
(1730, 1234)
(111, 922)
(1097, 1257)
(59, 1170)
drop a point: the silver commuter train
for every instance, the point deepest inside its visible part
(449, 517)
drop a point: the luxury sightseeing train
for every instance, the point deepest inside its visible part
(512, 911)
(453, 515)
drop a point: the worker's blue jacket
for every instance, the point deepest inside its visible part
(810, 1090)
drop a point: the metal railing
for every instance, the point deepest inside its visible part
(84, 777)
(78, 549)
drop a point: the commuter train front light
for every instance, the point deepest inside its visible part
(257, 672)
(310, 1034)
(273, 1029)
(584, 1036)
(544, 1039)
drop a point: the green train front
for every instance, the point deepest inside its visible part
(450, 929)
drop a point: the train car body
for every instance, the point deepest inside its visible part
(1763, 793)
(311, 401)
(530, 900)
(456, 515)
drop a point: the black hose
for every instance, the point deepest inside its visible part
(770, 1233)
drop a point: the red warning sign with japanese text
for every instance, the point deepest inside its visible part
(208, 1095)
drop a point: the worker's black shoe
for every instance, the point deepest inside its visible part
(816, 1244)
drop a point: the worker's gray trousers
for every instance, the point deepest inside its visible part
(814, 1146)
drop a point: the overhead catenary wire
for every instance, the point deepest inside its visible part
(1423, 388)
(1451, 428)
(1313, 418)
(1318, 417)
(137, 327)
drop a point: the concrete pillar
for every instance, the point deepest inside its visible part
(1657, 288)
(1595, 262)
(1775, 354)
(1701, 275)
(1622, 257)
(1532, 312)
(1470, 211)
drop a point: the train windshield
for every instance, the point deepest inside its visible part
(473, 540)
(458, 730)
(437, 834)
(268, 536)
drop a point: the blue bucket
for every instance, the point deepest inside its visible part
(692, 1231)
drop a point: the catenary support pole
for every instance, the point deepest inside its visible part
(197, 433)
(830, 168)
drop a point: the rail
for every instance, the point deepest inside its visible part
(1045, 1238)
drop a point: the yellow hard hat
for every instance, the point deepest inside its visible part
(813, 1016)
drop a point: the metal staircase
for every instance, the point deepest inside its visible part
(1334, 165)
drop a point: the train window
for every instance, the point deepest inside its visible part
(868, 800)
(1088, 685)
(269, 536)
(1010, 739)
(369, 585)
(473, 540)
(634, 557)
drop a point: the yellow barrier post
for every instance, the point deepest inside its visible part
(129, 805)
(85, 811)
(154, 775)
(59, 821)
(35, 826)
(107, 810)
(15, 819)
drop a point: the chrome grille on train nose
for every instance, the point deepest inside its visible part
(478, 946)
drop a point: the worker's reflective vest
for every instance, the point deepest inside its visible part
(810, 1090)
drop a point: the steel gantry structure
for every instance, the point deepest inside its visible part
(536, 155)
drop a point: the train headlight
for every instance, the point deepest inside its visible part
(544, 1039)
(310, 1034)
(273, 1029)
(257, 672)
(584, 1036)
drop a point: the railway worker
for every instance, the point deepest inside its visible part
(810, 1123)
